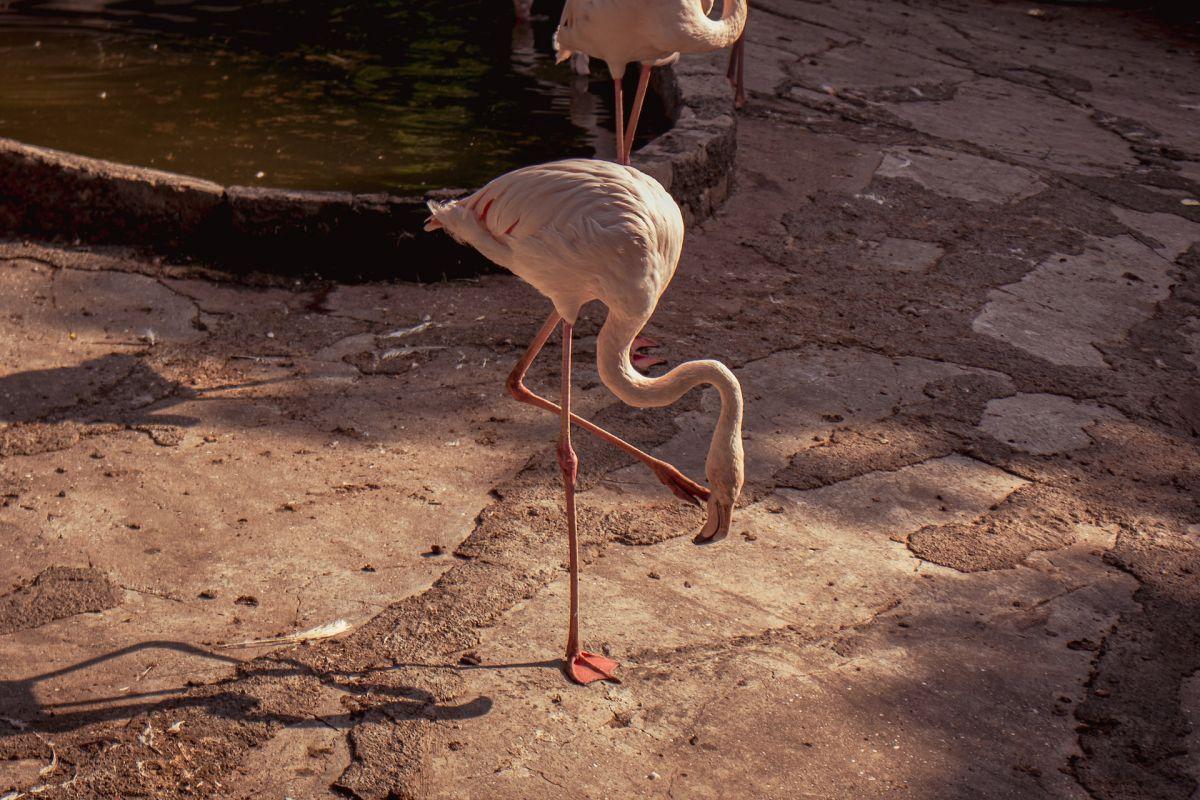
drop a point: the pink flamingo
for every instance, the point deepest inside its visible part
(580, 230)
(652, 33)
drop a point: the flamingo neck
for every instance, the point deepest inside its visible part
(721, 33)
(724, 461)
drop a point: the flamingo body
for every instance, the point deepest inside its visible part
(576, 230)
(581, 230)
(619, 32)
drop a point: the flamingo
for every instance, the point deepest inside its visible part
(580, 230)
(653, 34)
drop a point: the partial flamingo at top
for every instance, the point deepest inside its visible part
(653, 33)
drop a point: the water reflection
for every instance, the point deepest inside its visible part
(391, 95)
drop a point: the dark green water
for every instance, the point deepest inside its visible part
(398, 96)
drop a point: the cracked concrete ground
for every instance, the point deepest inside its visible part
(958, 280)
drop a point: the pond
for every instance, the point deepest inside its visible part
(400, 96)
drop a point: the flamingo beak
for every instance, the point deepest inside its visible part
(716, 527)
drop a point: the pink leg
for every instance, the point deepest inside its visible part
(636, 111)
(680, 485)
(619, 105)
(736, 72)
(582, 667)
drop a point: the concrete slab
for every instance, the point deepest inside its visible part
(1043, 423)
(853, 695)
(903, 255)
(957, 174)
(1070, 305)
(990, 113)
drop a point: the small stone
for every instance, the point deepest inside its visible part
(208, 594)
(749, 537)
(687, 584)
(246, 600)
(652, 776)
(695, 740)
(471, 658)
(367, 568)
(436, 550)
(621, 719)
(456, 746)
(654, 576)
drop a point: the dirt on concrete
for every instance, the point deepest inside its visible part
(956, 277)
(56, 593)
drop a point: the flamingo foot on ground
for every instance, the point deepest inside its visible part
(588, 668)
(642, 362)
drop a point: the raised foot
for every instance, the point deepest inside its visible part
(587, 668)
(680, 485)
(641, 361)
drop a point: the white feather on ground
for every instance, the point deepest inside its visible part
(326, 631)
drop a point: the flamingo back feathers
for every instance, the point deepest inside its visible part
(576, 230)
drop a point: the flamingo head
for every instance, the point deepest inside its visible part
(726, 474)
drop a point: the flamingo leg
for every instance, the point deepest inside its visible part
(582, 667)
(736, 73)
(680, 485)
(619, 110)
(636, 110)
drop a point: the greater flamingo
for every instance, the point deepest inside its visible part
(653, 33)
(580, 230)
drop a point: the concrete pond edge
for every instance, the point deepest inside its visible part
(56, 196)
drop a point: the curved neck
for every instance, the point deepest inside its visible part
(717, 34)
(618, 374)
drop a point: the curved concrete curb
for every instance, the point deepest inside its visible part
(48, 194)
(52, 195)
(694, 160)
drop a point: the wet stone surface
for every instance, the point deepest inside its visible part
(958, 284)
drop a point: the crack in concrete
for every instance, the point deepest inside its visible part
(648, 660)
